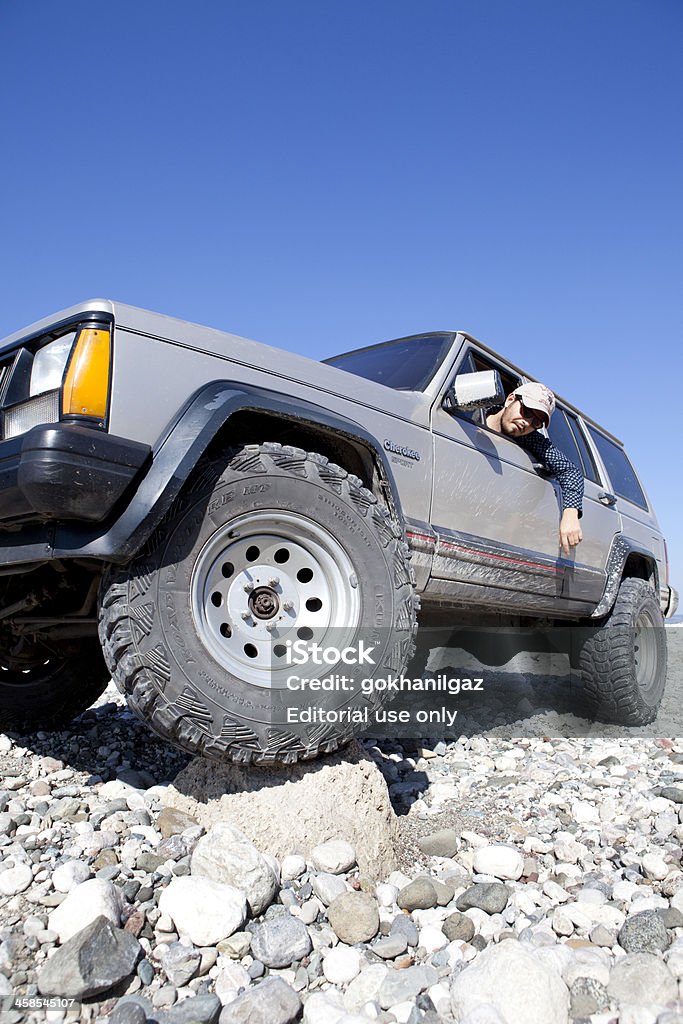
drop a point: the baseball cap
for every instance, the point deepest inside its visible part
(538, 397)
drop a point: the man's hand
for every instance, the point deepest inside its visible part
(570, 531)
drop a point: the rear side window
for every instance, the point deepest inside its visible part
(623, 479)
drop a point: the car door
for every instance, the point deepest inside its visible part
(584, 578)
(497, 512)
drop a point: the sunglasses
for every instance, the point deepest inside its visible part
(531, 416)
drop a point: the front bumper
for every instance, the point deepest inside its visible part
(66, 471)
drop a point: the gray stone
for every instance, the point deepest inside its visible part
(458, 927)
(272, 1001)
(390, 947)
(225, 855)
(641, 979)
(417, 895)
(171, 821)
(443, 843)
(587, 996)
(492, 897)
(180, 962)
(204, 1009)
(127, 1013)
(92, 961)
(292, 807)
(601, 936)
(354, 917)
(671, 917)
(674, 793)
(399, 986)
(404, 925)
(644, 933)
(281, 941)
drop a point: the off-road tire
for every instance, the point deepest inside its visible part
(623, 660)
(162, 654)
(53, 692)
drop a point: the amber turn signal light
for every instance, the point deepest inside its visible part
(86, 388)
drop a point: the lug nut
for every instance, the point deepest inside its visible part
(270, 626)
(273, 581)
(287, 605)
(246, 616)
(248, 587)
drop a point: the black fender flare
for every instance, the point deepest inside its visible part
(621, 548)
(180, 448)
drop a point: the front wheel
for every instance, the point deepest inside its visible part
(623, 661)
(268, 546)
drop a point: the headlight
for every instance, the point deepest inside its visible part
(49, 363)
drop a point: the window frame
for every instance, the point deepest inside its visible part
(596, 433)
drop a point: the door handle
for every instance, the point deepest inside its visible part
(607, 499)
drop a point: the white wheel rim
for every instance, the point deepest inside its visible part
(267, 578)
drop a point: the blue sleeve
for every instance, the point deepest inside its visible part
(569, 476)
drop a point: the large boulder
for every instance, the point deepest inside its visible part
(511, 980)
(293, 808)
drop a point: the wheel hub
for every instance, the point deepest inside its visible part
(264, 603)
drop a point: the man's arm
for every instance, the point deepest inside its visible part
(570, 479)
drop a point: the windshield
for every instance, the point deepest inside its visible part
(407, 364)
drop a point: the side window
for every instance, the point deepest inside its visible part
(562, 437)
(623, 479)
(589, 468)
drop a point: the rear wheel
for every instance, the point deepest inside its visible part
(43, 688)
(268, 545)
(623, 661)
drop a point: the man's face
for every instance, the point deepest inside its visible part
(518, 421)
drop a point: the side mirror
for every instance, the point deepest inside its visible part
(479, 390)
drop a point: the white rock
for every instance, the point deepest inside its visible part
(365, 988)
(324, 1008)
(292, 867)
(204, 910)
(499, 861)
(641, 979)
(327, 887)
(655, 866)
(225, 855)
(555, 892)
(15, 880)
(230, 979)
(70, 874)
(333, 856)
(583, 812)
(484, 1014)
(587, 964)
(509, 978)
(386, 894)
(308, 911)
(83, 904)
(432, 939)
(341, 965)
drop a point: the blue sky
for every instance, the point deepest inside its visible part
(325, 175)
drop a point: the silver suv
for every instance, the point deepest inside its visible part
(178, 505)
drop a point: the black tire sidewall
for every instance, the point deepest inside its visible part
(193, 669)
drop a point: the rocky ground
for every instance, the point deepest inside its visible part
(541, 882)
